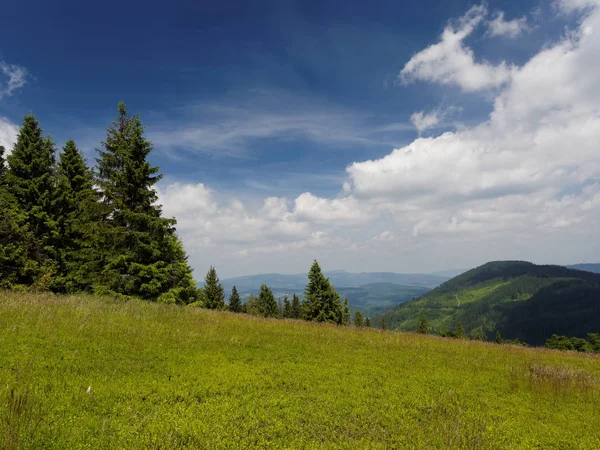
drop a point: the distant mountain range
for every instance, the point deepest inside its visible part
(338, 278)
(595, 268)
(516, 298)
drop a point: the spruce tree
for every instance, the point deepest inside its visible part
(267, 305)
(322, 302)
(138, 252)
(382, 323)
(423, 327)
(213, 290)
(368, 322)
(29, 195)
(2, 166)
(346, 313)
(251, 306)
(296, 309)
(358, 319)
(460, 331)
(235, 303)
(499, 339)
(287, 308)
(75, 197)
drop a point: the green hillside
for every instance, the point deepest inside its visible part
(518, 299)
(90, 372)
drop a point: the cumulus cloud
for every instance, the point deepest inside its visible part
(8, 134)
(16, 77)
(524, 183)
(450, 62)
(509, 28)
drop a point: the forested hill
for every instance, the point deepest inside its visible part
(518, 299)
(587, 267)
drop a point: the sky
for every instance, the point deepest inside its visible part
(372, 136)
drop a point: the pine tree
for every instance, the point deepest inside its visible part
(2, 166)
(235, 303)
(346, 313)
(29, 196)
(287, 308)
(368, 322)
(213, 290)
(423, 327)
(499, 339)
(382, 324)
(138, 252)
(322, 302)
(459, 332)
(251, 306)
(358, 319)
(75, 197)
(296, 309)
(267, 305)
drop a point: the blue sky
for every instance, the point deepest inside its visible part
(258, 111)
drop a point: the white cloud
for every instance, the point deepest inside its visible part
(522, 184)
(509, 28)
(450, 62)
(423, 121)
(8, 134)
(16, 78)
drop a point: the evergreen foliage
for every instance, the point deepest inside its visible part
(296, 310)
(321, 301)
(30, 227)
(382, 324)
(358, 319)
(214, 295)
(138, 253)
(368, 322)
(499, 339)
(287, 308)
(235, 303)
(267, 306)
(75, 198)
(460, 333)
(251, 306)
(589, 345)
(423, 327)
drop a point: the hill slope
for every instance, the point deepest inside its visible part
(87, 372)
(519, 299)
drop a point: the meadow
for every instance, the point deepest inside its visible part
(91, 372)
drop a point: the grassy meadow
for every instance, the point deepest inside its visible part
(88, 372)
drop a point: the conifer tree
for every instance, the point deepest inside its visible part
(2, 166)
(213, 290)
(235, 303)
(251, 306)
(499, 339)
(358, 319)
(287, 308)
(322, 302)
(346, 313)
(460, 331)
(75, 198)
(29, 196)
(368, 322)
(382, 324)
(423, 327)
(296, 309)
(138, 252)
(267, 305)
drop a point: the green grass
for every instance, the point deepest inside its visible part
(172, 377)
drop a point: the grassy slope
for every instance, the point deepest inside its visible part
(518, 299)
(167, 376)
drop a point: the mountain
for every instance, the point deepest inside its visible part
(595, 268)
(297, 282)
(516, 298)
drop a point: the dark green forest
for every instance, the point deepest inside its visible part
(515, 299)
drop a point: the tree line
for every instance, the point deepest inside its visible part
(321, 302)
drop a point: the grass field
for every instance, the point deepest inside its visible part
(84, 372)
